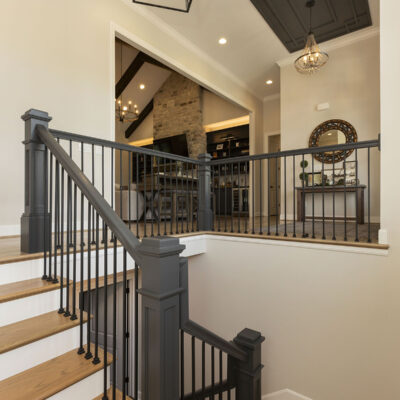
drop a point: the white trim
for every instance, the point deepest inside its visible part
(271, 97)
(383, 236)
(10, 230)
(304, 245)
(153, 18)
(285, 394)
(336, 43)
(272, 133)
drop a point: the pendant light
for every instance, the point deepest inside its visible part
(312, 58)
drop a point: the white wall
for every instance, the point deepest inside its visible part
(58, 57)
(350, 84)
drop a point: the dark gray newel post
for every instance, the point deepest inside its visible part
(205, 214)
(248, 372)
(160, 317)
(35, 216)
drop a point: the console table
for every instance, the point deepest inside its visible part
(302, 192)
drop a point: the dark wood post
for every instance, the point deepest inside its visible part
(248, 373)
(160, 292)
(35, 217)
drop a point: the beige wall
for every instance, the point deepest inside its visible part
(57, 56)
(350, 84)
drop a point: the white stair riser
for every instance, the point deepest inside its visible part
(86, 389)
(28, 307)
(32, 354)
(20, 271)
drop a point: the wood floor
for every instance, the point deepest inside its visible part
(10, 245)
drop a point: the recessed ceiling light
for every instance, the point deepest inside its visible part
(222, 41)
(142, 86)
(269, 82)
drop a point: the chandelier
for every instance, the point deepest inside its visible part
(312, 58)
(125, 112)
(182, 6)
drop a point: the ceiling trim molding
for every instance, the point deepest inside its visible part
(188, 44)
(335, 44)
(272, 97)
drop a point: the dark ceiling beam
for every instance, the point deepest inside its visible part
(133, 69)
(142, 116)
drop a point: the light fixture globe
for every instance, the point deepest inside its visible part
(312, 58)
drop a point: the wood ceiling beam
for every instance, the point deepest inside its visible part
(142, 116)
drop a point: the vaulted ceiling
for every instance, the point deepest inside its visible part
(252, 48)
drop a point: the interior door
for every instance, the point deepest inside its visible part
(274, 145)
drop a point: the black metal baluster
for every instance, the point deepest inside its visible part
(183, 196)
(102, 187)
(81, 350)
(345, 202)
(225, 195)
(105, 327)
(158, 191)
(60, 234)
(93, 180)
(253, 195)
(312, 197)
(112, 187)
(369, 195)
(220, 375)
(145, 195)
(96, 359)
(187, 198)
(114, 328)
(323, 196)
(240, 196)
(246, 190)
(182, 365)
(45, 221)
(125, 334)
(356, 158)
(217, 210)
(333, 199)
(303, 183)
(193, 366)
(269, 197)
(120, 184)
(137, 196)
(152, 196)
(73, 315)
(136, 327)
(130, 155)
(261, 198)
(213, 371)
(172, 197)
(285, 196)
(88, 354)
(176, 198)
(68, 243)
(164, 203)
(232, 200)
(203, 366)
(191, 198)
(50, 238)
(56, 224)
(294, 196)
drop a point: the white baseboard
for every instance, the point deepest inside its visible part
(285, 394)
(10, 230)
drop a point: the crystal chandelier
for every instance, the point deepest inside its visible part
(312, 58)
(125, 112)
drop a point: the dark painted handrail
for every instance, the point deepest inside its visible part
(212, 339)
(308, 150)
(117, 226)
(120, 146)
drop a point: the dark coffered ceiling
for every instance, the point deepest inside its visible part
(289, 19)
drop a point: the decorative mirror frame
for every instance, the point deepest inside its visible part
(333, 124)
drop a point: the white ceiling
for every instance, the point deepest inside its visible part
(252, 49)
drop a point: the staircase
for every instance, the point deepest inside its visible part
(38, 346)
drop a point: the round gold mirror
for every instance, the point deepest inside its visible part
(331, 133)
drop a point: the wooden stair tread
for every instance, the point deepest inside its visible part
(30, 287)
(118, 395)
(30, 330)
(51, 377)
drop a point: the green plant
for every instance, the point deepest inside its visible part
(304, 177)
(304, 164)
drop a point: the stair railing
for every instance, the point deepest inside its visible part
(91, 251)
